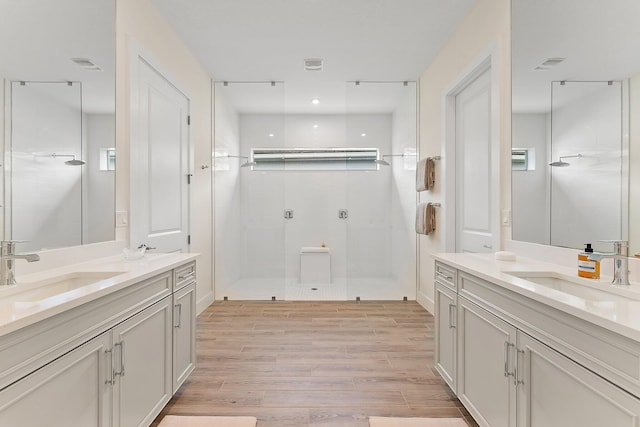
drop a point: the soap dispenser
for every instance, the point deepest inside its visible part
(586, 267)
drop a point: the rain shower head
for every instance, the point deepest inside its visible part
(72, 162)
(562, 163)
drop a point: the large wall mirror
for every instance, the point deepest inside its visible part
(58, 73)
(575, 143)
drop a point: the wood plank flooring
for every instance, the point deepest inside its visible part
(329, 364)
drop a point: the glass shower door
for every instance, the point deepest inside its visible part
(588, 187)
(44, 194)
(315, 189)
(381, 249)
(249, 204)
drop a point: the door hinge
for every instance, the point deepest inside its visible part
(188, 120)
(188, 239)
(189, 175)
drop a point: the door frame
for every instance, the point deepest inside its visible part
(488, 61)
(138, 53)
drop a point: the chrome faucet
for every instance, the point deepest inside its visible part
(620, 256)
(7, 260)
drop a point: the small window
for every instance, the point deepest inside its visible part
(297, 159)
(522, 159)
(107, 159)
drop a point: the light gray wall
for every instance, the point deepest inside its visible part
(100, 185)
(530, 195)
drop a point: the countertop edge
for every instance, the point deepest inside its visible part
(486, 267)
(132, 272)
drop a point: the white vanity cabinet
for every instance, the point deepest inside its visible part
(553, 390)
(521, 363)
(446, 299)
(485, 369)
(114, 362)
(142, 367)
(184, 325)
(72, 391)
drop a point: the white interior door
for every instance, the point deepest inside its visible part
(473, 145)
(159, 162)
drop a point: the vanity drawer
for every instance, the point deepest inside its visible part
(446, 275)
(184, 275)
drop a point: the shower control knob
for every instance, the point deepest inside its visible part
(288, 213)
(343, 214)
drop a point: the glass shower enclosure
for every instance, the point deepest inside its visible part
(314, 190)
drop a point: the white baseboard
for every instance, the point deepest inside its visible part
(204, 302)
(426, 302)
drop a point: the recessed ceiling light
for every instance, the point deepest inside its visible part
(315, 126)
(271, 135)
(315, 101)
(363, 134)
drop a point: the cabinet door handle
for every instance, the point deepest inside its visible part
(121, 372)
(516, 378)
(179, 316)
(452, 316)
(110, 377)
(507, 346)
(186, 276)
(443, 276)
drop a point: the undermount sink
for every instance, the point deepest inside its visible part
(47, 290)
(582, 288)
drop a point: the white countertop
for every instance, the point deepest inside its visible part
(620, 313)
(15, 314)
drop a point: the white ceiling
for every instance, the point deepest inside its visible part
(599, 40)
(359, 40)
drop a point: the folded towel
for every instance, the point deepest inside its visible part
(430, 178)
(421, 175)
(425, 174)
(430, 218)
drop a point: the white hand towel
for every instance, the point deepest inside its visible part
(430, 171)
(430, 220)
(425, 218)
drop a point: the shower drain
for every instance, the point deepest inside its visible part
(314, 289)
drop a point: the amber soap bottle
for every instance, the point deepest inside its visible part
(586, 267)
